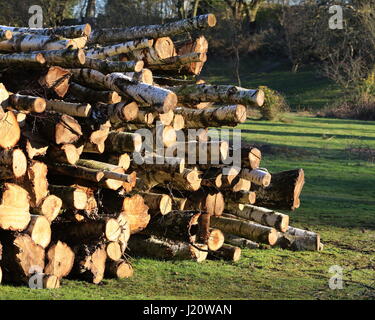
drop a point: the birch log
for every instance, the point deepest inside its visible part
(153, 31)
(84, 94)
(196, 93)
(105, 66)
(83, 30)
(22, 60)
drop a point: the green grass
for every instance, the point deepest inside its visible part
(338, 201)
(304, 90)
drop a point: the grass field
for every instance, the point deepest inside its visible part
(338, 201)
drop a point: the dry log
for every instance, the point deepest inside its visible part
(39, 229)
(66, 58)
(233, 199)
(250, 157)
(76, 172)
(119, 48)
(22, 257)
(157, 203)
(13, 164)
(49, 208)
(50, 282)
(215, 239)
(212, 178)
(166, 249)
(240, 242)
(83, 30)
(155, 162)
(211, 202)
(27, 103)
(245, 229)
(257, 176)
(178, 64)
(10, 131)
(283, 192)
(178, 122)
(153, 31)
(226, 252)
(121, 142)
(95, 134)
(136, 212)
(213, 117)
(69, 108)
(72, 198)
(118, 269)
(196, 93)
(145, 75)
(263, 216)
(89, 263)
(66, 153)
(33, 144)
(106, 67)
(298, 239)
(177, 225)
(119, 113)
(14, 208)
(144, 117)
(84, 94)
(36, 182)
(74, 233)
(56, 79)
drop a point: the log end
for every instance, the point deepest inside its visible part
(51, 207)
(41, 231)
(139, 66)
(211, 20)
(259, 99)
(272, 237)
(39, 105)
(240, 113)
(51, 282)
(215, 240)
(165, 205)
(19, 163)
(8, 35)
(255, 156)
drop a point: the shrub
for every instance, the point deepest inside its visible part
(274, 104)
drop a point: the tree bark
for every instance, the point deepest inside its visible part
(27, 103)
(211, 202)
(283, 192)
(22, 60)
(76, 172)
(106, 67)
(298, 240)
(66, 58)
(84, 94)
(196, 93)
(69, 108)
(153, 31)
(257, 176)
(245, 229)
(226, 252)
(240, 242)
(83, 30)
(121, 142)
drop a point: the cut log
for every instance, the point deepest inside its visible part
(178, 64)
(121, 142)
(226, 252)
(74, 233)
(49, 208)
(213, 117)
(298, 239)
(196, 93)
(257, 176)
(177, 225)
(50, 282)
(144, 117)
(283, 192)
(69, 108)
(178, 122)
(22, 60)
(89, 263)
(145, 76)
(39, 229)
(33, 144)
(119, 113)
(159, 163)
(233, 199)
(27, 103)
(13, 164)
(215, 239)
(211, 202)
(118, 269)
(154, 31)
(84, 94)
(76, 172)
(95, 136)
(66, 153)
(83, 30)
(157, 203)
(72, 198)
(56, 79)
(65, 58)
(119, 48)
(60, 259)
(245, 229)
(5, 35)
(250, 157)
(141, 92)
(179, 204)
(106, 67)
(212, 178)
(22, 257)
(10, 132)
(113, 250)
(136, 212)
(36, 182)
(240, 242)
(263, 216)
(166, 249)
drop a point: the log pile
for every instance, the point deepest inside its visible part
(82, 184)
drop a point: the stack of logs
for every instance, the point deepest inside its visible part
(76, 200)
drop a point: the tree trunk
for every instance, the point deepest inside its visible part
(226, 252)
(66, 153)
(177, 64)
(60, 259)
(154, 31)
(250, 157)
(119, 113)
(245, 229)
(240, 242)
(21, 257)
(196, 93)
(119, 48)
(36, 182)
(13, 164)
(166, 249)
(27, 103)
(283, 192)
(145, 76)
(39, 229)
